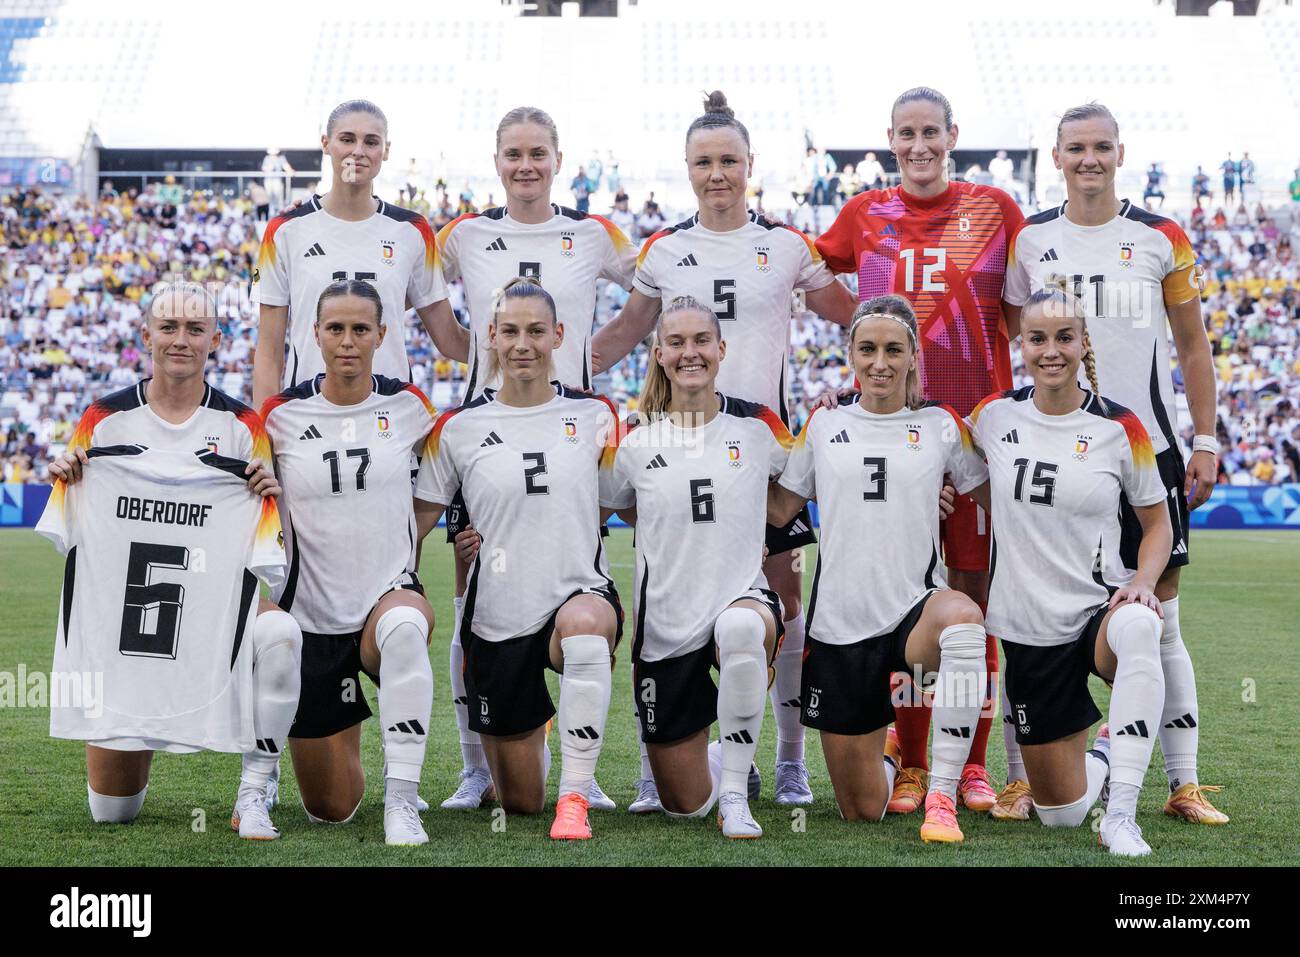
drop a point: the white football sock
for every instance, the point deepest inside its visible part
(786, 706)
(471, 746)
(107, 809)
(715, 779)
(1136, 700)
(1076, 812)
(742, 679)
(584, 705)
(277, 677)
(405, 690)
(958, 696)
(1015, 761)
(1180, 720)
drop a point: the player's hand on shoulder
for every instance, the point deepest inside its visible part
(261, 479)
(1139, 594)
(947, 500)
(68, 465)
(291, 207)
(831, 398)
(467, 544)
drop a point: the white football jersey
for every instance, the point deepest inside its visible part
(164, 549)
(222, 425)
(349, 515)
(530, 478)
(568, 253)
(747, 276)
(306, 249)
(701, 500)
(876, 479)
(1128, 272)
(1055, 483)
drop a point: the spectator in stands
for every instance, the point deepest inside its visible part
(581, 187)
(622, 217)
(1200, 186)
(1153, 190)
(1003, 171)
(1246, 176)
(871, 172)
(650, 221)
(1231, 172)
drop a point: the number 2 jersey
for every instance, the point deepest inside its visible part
(701, 500)
(530, 479)
(876, 479)
(164, 549)
(349, 515)
(1055, 484)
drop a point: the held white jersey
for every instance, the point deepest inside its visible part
(567, 253)
(222, 425)
(748, 276)
(349, 515)
(1055, 484)
(876, 479)
(164, 549)
(306, 249)
(1128, 272)
(701, 500)
(530, 479)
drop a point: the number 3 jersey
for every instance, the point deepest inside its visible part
(701, 500)
(1055, 485)
(154, 647)
(529, 476)
(877, 479)
(349, 515)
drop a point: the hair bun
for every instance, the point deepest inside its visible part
(716, 102)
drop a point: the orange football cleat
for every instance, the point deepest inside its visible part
(571, 819)
(940, 825)
(1190, 803)
(974, 789)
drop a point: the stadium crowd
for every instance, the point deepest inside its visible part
(76, 276)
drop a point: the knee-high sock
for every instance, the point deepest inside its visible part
(980, 742)
(277, 678)
(742, 679)
(958, 696)
(1181, 718)
(1015, 761)
(471, 746)
(912, 723)
(1076, 812)
(108, 809)
(785, 692)
(1136, 701)
(584, 705)
(405, 691)
(715, 779)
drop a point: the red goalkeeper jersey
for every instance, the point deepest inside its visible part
(948, 256)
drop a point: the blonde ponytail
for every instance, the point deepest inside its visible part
(1056, 291)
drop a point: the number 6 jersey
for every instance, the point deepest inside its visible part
(349, 515)
(154, 648)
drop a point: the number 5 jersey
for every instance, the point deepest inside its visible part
(154, 648)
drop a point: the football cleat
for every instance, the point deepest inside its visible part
(792, 783)
(250, 818)
(735, 818)
(647, 797)
(1190, 803)
(402, 825)
(940, 825)
(475, 783)
(974, 790)
(1121, 836)
(571, 819)
(598, 799)
(909, 790)
(1015, 803)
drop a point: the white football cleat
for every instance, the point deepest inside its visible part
(734, 817)
(402, 824)
(250, 818)
(598, 800)
(474, 783)
(647, 797)
(792, 783)
(1121, 836)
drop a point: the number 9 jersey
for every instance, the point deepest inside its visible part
(346, 505)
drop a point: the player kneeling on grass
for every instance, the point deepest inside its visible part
(526, 459)
(175, 410)
(344, 441)
(876, 467)
(696, 472)
(1059, 459)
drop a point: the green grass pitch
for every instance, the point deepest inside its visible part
(1239, 620)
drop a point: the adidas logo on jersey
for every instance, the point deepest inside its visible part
(311, 433)
(1049, 257)
(316, 250)
(497, 245)
(889, 230)
(739, 737)
(492, 439)
(843, 436)
(689, 260)
(1137, 729)
(1011, 438)
(657, 462)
